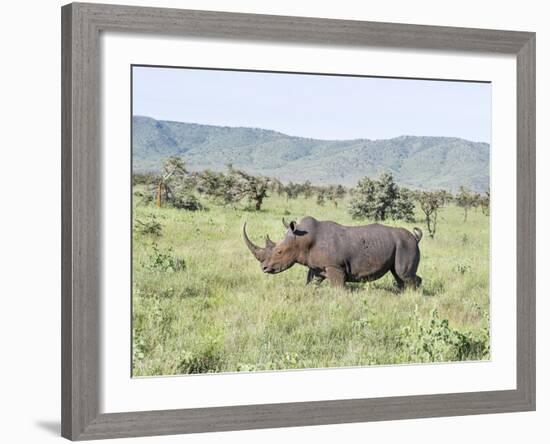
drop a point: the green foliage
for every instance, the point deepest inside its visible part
(144, 178)
(435, 340)
(276, 186)
(463, 267)
(164, 261)
(381, 199)
(321, 195)
(186, 201)
(467, 200)
(173, 166)
(219, 187)
(428, 163)
(430, 202)
(292, 190)
(307, 189)
(145, 197)
(485, 203)
(334, 193)
(207, 358)
(148, 226)
(247, 186)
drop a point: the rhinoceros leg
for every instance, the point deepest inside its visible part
(414, 283)
(400, 283)
(407, 258)
(314, 275)
(310, 275)
(336, 276)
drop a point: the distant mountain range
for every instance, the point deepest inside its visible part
(416, 162)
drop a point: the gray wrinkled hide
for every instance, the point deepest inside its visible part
(346, 254)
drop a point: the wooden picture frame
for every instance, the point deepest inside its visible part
(81, 172)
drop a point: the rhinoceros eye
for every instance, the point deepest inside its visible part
(279, 251)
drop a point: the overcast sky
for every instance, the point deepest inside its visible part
(316, 106)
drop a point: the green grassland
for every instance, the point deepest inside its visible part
(201, 303)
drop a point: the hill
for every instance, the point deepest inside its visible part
(416, 162)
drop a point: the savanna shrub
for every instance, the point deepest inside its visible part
(463, 267)
(381, 199)
(164, 261)
(139, 347)
(208, 359)
(149, 226)
(186, 201)
(144, 198)
(435, 340)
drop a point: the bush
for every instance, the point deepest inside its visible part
(436, 341)
(164, 261)
(463, 267)
(208, 359)
(381, 199)
(185, 201)
(150, 226)
(146, 198)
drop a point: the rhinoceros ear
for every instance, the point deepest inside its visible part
(290, 226)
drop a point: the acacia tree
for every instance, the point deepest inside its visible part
(485, 203)
(430, 202)
(340, 192)
(335, 193)
(217, 186)
(254, 188)
(276, 186)
(381, 199)
(172, 168)
(321, 196)
(466, 200)
(292, 190)
(307, 189)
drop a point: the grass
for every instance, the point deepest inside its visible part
(201, 303)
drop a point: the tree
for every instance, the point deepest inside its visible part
(292, 190)
(381, 199)
(276, 186)
(334, 193)
(182, 194)
(403, 206)
(340, 192)
(254, 188)
(217, 186)
(485, 203)
(465, 199)
(430, 202)
(307, 189)
(173, 167)
(321, 194)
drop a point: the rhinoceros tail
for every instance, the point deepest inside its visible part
(417, 233)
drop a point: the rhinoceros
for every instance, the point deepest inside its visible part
(343, 253)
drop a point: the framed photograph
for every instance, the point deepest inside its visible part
(278, 221)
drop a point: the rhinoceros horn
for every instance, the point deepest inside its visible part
(268, 242)
(259, 253)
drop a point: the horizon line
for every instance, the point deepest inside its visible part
(305, 137)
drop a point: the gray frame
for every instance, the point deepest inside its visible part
(81, 167)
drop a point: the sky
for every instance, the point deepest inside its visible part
(315, 106)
